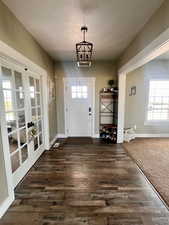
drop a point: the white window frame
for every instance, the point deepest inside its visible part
(79, 94)
(147, 88)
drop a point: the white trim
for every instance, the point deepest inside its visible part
(7, 161)
(96, 136)
(121, 107)
(5, 205)
(17, 58)
(152, 135)
(160, 123)
(92, 81)
(61, 136)
(65, 136)
(45, 105)
(65, 107)
(156, 48)
(53, 141)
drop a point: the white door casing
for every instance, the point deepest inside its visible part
(79, 107)
(121, 107)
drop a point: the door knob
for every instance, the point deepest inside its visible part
(90, 111)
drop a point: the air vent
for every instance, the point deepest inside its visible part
(84, 64)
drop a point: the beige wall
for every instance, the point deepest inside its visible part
(155, 26)
(15, 35)
(102, 71)
(135, 105)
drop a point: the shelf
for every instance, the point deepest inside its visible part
(108, 116)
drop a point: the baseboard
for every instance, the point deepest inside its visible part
(96, 136)
(152, 135)
(53, 141)
(65, 136)
(55, 138)
(61, 136)
(5, 205)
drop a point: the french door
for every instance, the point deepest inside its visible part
(21, 117)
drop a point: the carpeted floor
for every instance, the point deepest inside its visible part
(152, 156)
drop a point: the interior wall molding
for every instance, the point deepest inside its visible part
(151, 135)
(16, 57)
(61, 136)
(53, 141)
(156, 48)
(65, 136)
(96, 136)
(5, 205)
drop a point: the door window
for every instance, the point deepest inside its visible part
(14, 99)
(22, 111)
(79, 92)
(35, 96)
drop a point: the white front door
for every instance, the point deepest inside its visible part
(79, 105)
(21, 117)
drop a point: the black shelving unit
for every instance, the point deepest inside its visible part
(108, 116)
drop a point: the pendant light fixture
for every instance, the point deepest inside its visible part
(84, 50)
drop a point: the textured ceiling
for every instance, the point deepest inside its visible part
(55, 24)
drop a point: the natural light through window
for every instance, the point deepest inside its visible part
(6, 84)
(158, 104)
(79, 92)
(8, 100)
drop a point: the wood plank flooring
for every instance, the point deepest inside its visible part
(92, 184)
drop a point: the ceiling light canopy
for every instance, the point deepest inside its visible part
(84, 50)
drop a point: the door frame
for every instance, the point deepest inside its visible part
(90, 80)
(11, 56)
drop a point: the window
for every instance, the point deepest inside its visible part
(158, 102)
(6, 84)
(79, 92)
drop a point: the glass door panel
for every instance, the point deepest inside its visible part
(15, 161)
(24, 153)
(35, 98)
(22, 113)
(15, 115)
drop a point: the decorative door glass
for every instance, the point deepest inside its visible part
(14, 106)
(36, 112)
(22, 120)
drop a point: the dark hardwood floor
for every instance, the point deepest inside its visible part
(91, 184)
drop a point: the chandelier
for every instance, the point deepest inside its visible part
(84, 51)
